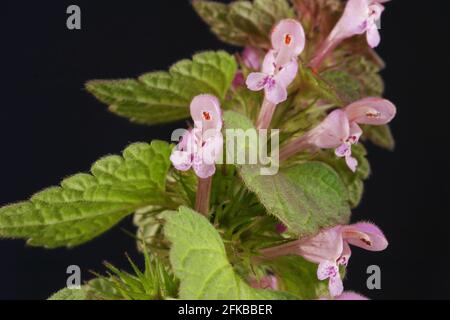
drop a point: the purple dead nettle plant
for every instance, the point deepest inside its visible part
(212, 229)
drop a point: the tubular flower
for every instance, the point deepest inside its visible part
(200, 147)
(331, 248)
(340, 129)
(279, 68)
(274, 83)
(359, 17)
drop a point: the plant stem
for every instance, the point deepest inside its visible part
(203, 195)
(294, 147)
(266, 114)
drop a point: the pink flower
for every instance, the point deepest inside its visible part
(279, 68)
(200, 147)
(280, 64)
(267, 282)
(280, 228)
(273, 81)
(252, 58)
(336, 131)
(347, 296)
(239, 80)
(331, 248)
(340, 130)
(360, 16)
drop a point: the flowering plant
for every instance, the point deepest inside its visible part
(211, 222)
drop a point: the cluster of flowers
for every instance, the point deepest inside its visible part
(200, 146)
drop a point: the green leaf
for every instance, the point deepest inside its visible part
(243, 23)
(155, 282)
(363, 71)
(313, 86)
(298, 276)
(160, 97)
(86, 205)
(305, 197)
(71, 294)
(199, 260)
(347, 88)
(381, 136)
(353, 181)
(102, 288)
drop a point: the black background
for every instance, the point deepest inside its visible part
(50, 128)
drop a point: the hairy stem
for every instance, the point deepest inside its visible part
(203, 195)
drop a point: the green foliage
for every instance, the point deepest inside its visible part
(353, 181)
(347, 88)
(304, 197)
(381, 136)
(299, 277)
(366, 72)
(71, 294)
(86, 205)
(313, 86)
(243, 23)
(199, 260)
(160, 97)
(156, 282)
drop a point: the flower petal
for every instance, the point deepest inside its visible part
(203, 170)
(352, 163)
(365, 235)
(345, 256)
(256, 81)
(269, 64)
(181, 160)
(343, 150)
(288, 39)
(348, 295)
(373, 111)
(355, 132)
(276, 93)
(332, 132)
(212, 147)
(373, 35)
(327, 245)
(352, 21)
(287, 73)
(336, 286)
(206, 112)
(327, 270)
(182, 155)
